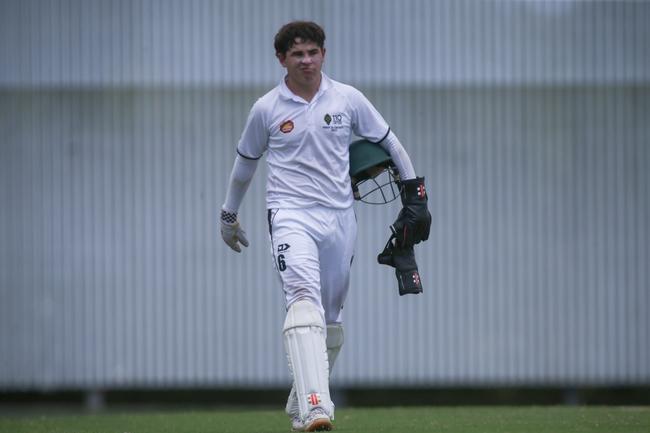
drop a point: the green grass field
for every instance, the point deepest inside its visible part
(421, 419)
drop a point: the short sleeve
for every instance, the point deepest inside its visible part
(255, 137)
(367, 122)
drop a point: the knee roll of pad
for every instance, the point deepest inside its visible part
(304, 313)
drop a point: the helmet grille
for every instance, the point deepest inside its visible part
(381, 188)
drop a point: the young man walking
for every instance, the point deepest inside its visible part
(305, 125)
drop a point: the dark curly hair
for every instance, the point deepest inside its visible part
(307, 31)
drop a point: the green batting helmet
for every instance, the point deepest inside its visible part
(373, 174)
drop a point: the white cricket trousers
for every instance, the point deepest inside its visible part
(312, 250)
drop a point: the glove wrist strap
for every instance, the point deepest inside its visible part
(228, 217)
(413, 190)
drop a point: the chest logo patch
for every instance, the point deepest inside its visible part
(333, 122)
(286, 126)
(336, 118)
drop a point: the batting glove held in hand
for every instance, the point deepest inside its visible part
(406, 269)
(413, 223)
(231, 231)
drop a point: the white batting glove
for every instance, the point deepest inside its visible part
(231, 231)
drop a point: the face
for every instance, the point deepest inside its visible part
(303, 61)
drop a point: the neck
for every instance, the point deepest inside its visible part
(306, 91)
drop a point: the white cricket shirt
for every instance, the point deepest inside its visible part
(307, 143)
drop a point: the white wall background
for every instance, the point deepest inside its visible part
(117, 131)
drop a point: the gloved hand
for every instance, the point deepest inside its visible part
(413, 223)
(231, 231)
(406, 269)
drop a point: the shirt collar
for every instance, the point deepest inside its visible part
(286, 93)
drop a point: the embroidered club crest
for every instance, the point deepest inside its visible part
(286, 126)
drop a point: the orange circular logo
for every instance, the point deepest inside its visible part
(287, 126)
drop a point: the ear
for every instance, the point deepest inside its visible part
(282, 57)
(323, 53)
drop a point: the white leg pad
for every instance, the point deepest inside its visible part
(304, 342)
(333, 342)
